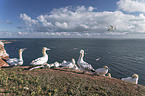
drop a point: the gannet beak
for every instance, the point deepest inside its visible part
(24, 49)
(47, 49)
(109, 69)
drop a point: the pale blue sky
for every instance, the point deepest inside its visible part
(66, 18)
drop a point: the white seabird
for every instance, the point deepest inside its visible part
(15, 61)
(102, 71)
(83, 66)
(42, 60)
(133, 79)
(70, 64)
(111, 28)
(98, 59)
(54, 65)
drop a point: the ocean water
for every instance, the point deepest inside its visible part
(123, 56)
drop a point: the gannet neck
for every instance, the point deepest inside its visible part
(20, 55)
(135, 80)
(44, 52)
(73, 61)
(81, 57)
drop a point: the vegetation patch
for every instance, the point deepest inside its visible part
(19, 81)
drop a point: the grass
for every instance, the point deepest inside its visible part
(55, 82)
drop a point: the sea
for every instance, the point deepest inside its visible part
(124, 57)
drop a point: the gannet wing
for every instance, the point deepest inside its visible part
(129, 79)
(85, 65)
(100, 70)
(38, 61)
(12, 61)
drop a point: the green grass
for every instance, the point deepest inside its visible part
(56, 82)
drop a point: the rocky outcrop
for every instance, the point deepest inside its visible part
(3, 55)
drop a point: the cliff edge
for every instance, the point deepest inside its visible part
(3, 55)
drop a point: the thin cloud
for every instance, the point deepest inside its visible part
(8, 22)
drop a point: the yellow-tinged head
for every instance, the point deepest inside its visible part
(135, 76)
(105, 67)
(45, 48)
(22, 49)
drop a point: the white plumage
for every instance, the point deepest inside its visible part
(69, 64)
(102, 71)
(42, 60)
(54, 65)
(133, 79)
(16, 61)
(84, 66)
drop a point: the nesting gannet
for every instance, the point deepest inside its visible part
(74, 66)
(55, 65)
(133, 79)
(102, 71)
(83, 66)
(41, 60)
(15, 61)
(69, 64)
(111, 28)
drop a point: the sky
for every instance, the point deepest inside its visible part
(72, 18)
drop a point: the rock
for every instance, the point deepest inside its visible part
(3, 55)
(3, 63)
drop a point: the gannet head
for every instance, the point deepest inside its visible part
(21, 50)
(45, 48)
(135, 76)
(105, 67)
(82, 51)
(73, 61)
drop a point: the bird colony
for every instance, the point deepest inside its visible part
(81, 65)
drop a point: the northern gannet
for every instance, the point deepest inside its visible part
(83, 66)
(111, 28)
(15, 61)
(41, 60)
(133, 79)
(69, 64)
(102, 71)
(54, 65)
